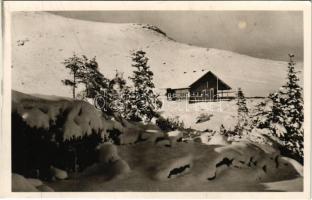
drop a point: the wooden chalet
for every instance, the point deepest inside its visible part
(199, 86)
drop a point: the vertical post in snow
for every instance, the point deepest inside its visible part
(186, 103)
(217, 87)
(207, 89)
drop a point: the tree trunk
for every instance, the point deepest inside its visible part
(74, 87)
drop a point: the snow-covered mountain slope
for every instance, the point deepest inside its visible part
(41, 41)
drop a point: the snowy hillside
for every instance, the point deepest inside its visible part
(41, 41)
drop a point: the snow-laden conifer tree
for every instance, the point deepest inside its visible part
(241, 129)
(144, 102)
(287, 113)
(284, 115)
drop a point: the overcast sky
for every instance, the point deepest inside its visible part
(264, 34)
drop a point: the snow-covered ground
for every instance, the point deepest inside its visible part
(222, 112)
(148, 160)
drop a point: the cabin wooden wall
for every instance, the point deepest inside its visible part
(178, 94)
(203, 86)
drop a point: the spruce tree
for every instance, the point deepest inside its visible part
(144, 102)
(241, 127)
(287, 114)
(284, 115)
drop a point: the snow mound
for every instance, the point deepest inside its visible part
(107, 153)
(57, 131)
(241, 166)
(292, 185)
(218, 139)
(293, 163)
(75, 118)
(108, 171)
(21, 184)
(153, 137)
(34, 182)
(130, 135)
(110, 164)
(120, 168)
(58, 173)
(173, 168)
(175, 136)
(45, 188)
(251, 162)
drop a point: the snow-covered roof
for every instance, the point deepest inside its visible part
(187, 78)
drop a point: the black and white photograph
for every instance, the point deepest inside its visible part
(190, 100)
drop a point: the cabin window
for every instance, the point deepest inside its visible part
(204, 92)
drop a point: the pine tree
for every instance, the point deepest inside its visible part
(75, 64)
(89, 71)
(99, 89)
(241, 127)
(85, 71)
(144, 102)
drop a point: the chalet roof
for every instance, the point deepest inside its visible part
(187, 78)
